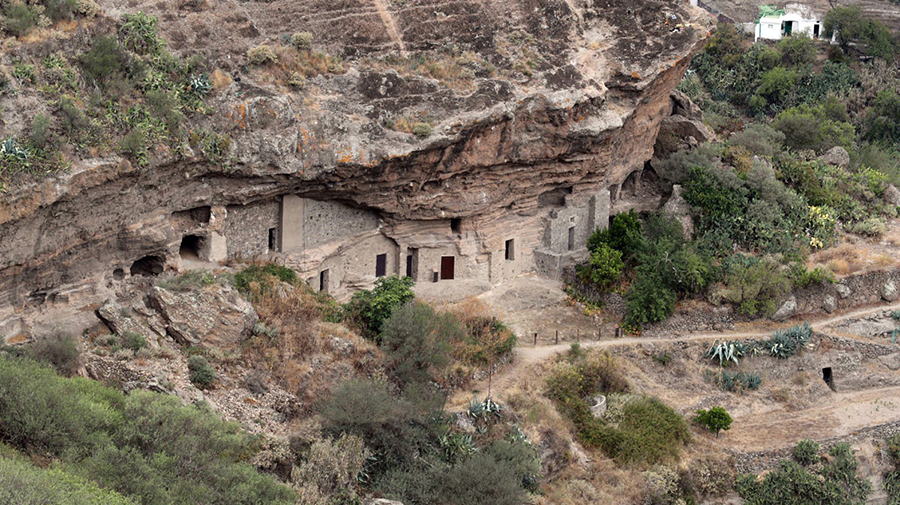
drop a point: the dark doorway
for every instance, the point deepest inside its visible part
(456, 225)
(828, 377)
(273, 240)
(448, 267)
(148, 266)
(571, 238)
(815, 31)
(788, 28)
(323, 281)
(412, 263)
(381, 265)
(511, 249)
(190, 247)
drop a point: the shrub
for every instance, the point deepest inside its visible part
(624, 235)
(23, 483)
(265, 276)
(107, 64)
(587, 376)
(649, 300)
(136, 145)
(41, 132)
(369, 309)
(716, 419)
(797, 50)
(753, 284)
(806, 452)
(417, 341)
(146, 446)
(301, 40)
(759, 139)
(133, 341)
(604, 267)
(737, 382)
(138, 32)
(261, 55)
(297, 81)
(58, 349)
(330, 467)
(776, 84)
(18, 18)
(709, 477)
(650, 432)
(201, 374)
(422, 129)
(835, 483)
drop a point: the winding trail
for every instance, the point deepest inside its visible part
(846, 412)
(390, 24)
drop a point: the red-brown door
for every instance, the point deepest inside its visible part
(448, 263)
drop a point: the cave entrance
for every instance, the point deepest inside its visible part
(828, 377)
(190, 247)
(148, 266)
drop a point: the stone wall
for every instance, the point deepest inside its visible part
(247, 228)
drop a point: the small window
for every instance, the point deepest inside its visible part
(510, 249)
(323, 281)
(571, 238)
(273, 243)
(381, 265)
(456, 225)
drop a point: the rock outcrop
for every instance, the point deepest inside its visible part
(205, 317)
(553, 97)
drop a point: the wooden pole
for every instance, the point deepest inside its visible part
(599, 332)
(535, 339)
(557, 336)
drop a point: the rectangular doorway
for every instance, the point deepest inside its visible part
(571, 238)
(323, 281)
(815, 31)
(412, 263)
(828, 377)
(448, 267)
(381, 265)
(273, 240)
(511, 250)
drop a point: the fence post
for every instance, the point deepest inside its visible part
(599, 332)
(557, 336)
(535, 339)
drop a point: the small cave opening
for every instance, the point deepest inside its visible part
(190, 247)
(118, 274)
(828, 377)
(148, 266)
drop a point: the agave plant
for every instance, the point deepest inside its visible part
(483, 409)
(11, 148)
(786, 343)
(725, 352)
(457, 445)
(200, 85)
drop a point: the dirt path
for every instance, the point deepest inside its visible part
(843, 412)
(390, 25)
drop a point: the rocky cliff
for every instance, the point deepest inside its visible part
(520, 99)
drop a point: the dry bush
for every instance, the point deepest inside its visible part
(711, 476)
(305, 354)
(842, 260)
(331, 466)
(781, 395)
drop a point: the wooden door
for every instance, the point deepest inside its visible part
(448, 264)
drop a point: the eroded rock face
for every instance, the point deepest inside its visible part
(205, 317)
(584, 118)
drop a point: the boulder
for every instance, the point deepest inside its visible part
(892, 195)
(677, 133)
(679, 209)
(121, 321)
(837, 156)
(787, 309)
(843, 290)
(208, 318)
(682, 105)
(889, 291)
(829, 303)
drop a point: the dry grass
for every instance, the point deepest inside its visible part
(292, 61)
(219, 79)
(305, 354)
(844, 259)
(452, 71)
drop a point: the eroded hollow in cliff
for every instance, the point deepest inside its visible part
(191, 245)
(148, 266)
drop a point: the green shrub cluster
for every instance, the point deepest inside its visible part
(202, 374)
(265, 276)
(735, 382)
(834, 482)
(806, 452)
(891, 478)
(642, 431)
(369, 309)
(145, 446)
(419, 457)
(25, 484)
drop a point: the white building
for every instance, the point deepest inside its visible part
(794, 19)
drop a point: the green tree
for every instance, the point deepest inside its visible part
(604, 268)
(624, 235)
(417, 340)
(370, 309)
(716, 419)
(797, 50)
